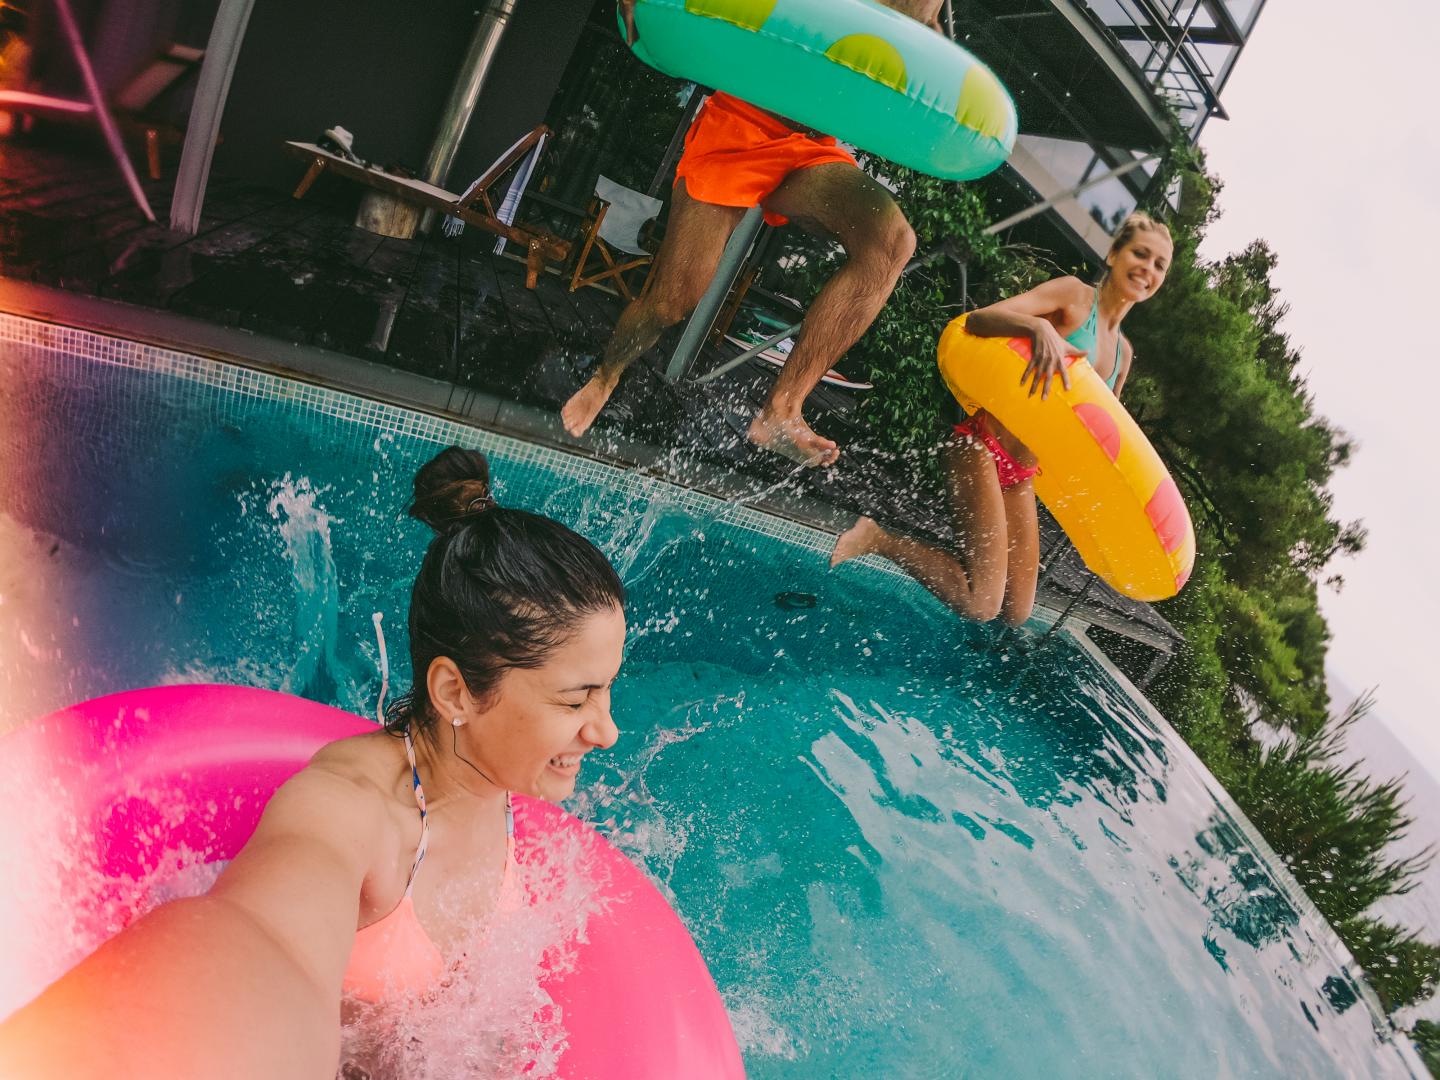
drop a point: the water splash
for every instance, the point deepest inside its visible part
(57, 901)
(304, 527)
(491, 1016)
(658, 519)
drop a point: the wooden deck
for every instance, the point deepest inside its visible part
(269, 263)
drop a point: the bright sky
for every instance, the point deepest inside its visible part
(1333, 156)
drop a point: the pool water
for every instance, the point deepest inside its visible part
(905, 845)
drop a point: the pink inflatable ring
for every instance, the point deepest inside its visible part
(637, 1001)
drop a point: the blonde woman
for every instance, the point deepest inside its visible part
(988, 472)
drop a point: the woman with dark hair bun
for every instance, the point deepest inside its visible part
(516, 633)
(373, 866)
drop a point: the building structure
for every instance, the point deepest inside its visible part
(1101, 85)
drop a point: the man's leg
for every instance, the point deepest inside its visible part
(839, 201)
(694, 241)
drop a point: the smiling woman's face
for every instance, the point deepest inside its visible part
(542, 721)
(1139, 268)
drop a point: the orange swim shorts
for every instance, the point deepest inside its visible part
(736, 154)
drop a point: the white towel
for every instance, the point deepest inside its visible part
(510, 205)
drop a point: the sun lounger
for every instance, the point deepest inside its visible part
(474, 208)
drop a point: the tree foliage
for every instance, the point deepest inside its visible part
(1400, 967)
(1426, 1034)
(1332, 821)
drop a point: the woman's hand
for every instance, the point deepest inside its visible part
(1048, 351)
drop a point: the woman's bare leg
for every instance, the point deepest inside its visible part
(975, 589)
(1022, 526)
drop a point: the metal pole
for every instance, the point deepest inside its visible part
(950, 19)
(102, 112)
(677, 141)
(1159, 664)
(698, 328)
(754, 350)
(221, 53)
(466, 92)
(1064, 615)
(1050, 560)
(1069, 193)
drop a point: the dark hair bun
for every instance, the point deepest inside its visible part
(451, 488)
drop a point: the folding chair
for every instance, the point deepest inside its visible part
(617, 216)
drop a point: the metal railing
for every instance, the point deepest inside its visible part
(1167, 57)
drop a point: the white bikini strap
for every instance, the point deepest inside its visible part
(384, 669)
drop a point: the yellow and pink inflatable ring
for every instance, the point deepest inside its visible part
(1099, 475)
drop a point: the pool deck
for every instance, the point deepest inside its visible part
(447, 326)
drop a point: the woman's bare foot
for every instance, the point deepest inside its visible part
(792, 438)
(860, 539)
(585, 404)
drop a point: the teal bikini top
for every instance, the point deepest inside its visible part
(1085, 338)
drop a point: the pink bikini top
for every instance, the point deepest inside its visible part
(394, 956)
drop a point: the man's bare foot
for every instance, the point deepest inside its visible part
(859, 539)
(793, 439)
(585, 404)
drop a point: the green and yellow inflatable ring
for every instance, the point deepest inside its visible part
(854, 69)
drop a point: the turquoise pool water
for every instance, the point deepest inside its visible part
(906, 845)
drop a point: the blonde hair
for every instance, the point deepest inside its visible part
(1132, 226)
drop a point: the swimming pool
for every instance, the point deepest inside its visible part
(905, 845)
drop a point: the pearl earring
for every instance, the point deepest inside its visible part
(459, 721)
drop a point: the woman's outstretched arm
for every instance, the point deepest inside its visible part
(1035, 315)
(242, 982)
